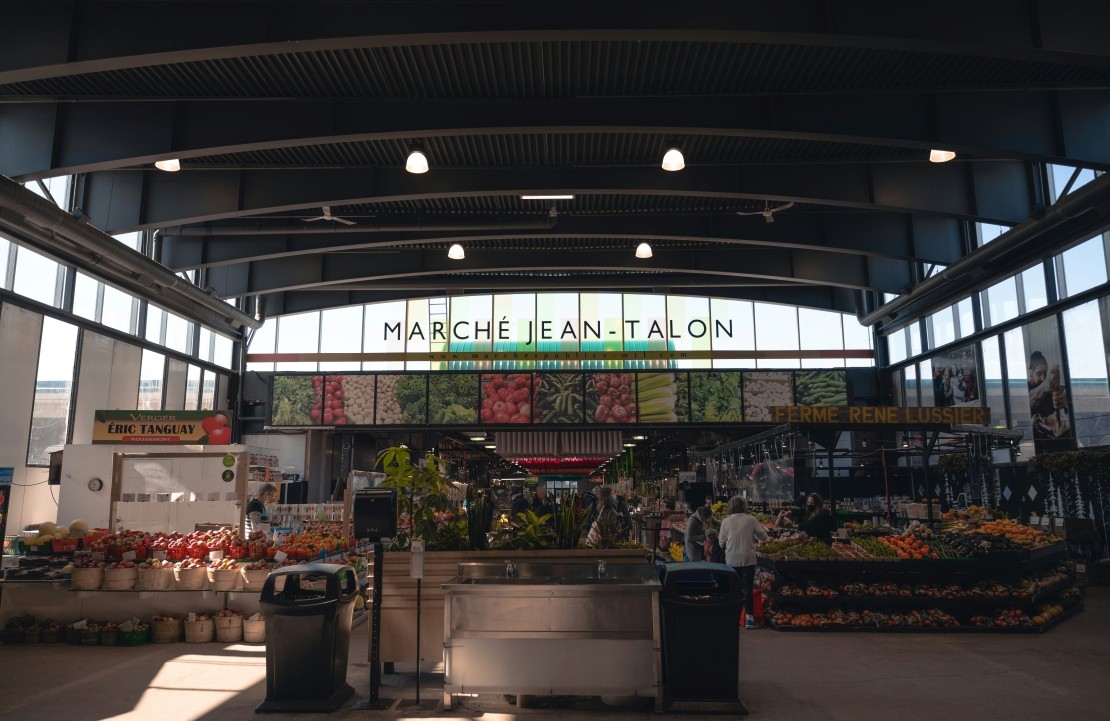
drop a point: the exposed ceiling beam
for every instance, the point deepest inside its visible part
(67, 138)
(100, 35)
(802, 267)
(992, 192)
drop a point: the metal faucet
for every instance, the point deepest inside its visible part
(602, 569)
(510, 569)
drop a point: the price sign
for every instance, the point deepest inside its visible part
(97, 555)
(158, 555)
(215, 555)
(280, 556)
(127, 556)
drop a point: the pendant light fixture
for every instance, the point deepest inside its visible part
(456, 252)
(672, 158)
(417, 162)
(170, 165)
(941, 156)
(643, 250)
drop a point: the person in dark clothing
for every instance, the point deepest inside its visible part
(818, 522)
(695, 533)
(714, 552)
(519, 504)
(542, 505)
(257, 516)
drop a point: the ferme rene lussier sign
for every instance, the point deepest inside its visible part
(882, 415)
(212, 428)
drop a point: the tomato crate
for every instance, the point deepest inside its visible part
(64, 545)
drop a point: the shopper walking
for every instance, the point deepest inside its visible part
(738, 535)
(695, 533)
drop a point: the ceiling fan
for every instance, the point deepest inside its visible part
(328, 216)
(768, 212)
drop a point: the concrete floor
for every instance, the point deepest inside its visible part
(828, 676)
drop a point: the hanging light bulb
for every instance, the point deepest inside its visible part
(417, 162)
(456, 252)
(672, 159)
(643, 250)
(941, 156)
(170, 165)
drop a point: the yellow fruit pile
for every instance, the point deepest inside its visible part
(676, 550)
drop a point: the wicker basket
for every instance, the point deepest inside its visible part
(109, 637)
(224, 579)
(254, 631)
(32, 635)
(167, 631)
(191, 579)
(53, 635)
(120, 579)
(86, 579)
(90, 637)
(254, 579)
(155, 579)
(199, 631)
(229, 629)
(73, 636)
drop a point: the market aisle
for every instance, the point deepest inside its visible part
(784, 677)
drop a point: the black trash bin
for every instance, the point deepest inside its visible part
(701, 632)
(308, 636)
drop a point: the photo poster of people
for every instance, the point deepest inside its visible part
(1048, 382)
(956, 378)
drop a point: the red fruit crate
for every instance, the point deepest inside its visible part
(64, 545)
(176, 553)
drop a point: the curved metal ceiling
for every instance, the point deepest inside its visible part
(279, 109)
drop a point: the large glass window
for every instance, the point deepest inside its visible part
(298, 334)
(204, 347)
(223, 350)
(208, 392)
(85, 292)
(155, 325)
(1002, 304)
(263, 342)
(1090, 393)
(178, 333)
(1084, 267)
(151, 377)
(5, 251)
(514, 308)
(776, 328)
(896, 346)
(36, 277)
(988, 232)
(925, 373)
(943, 328)
(192, 389)
(119, 310)
(912, 396)
(53, 387)
(1061, 174)
(820, 330)
(965, 310)
(339, 333)
(913, 333)
(1017, 385)
(992, 380)
(857, 337)
(1033, 286)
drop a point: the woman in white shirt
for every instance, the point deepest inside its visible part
(738, 535)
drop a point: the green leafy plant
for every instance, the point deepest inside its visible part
(568, 525)
(421, 490)
(610, 531)
(527, 532)
(451, 536)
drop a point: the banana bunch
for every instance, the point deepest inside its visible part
(656, 394)
(821, 388)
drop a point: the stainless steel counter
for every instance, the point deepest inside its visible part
(548, 628)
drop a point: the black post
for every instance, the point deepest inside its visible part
(376, 625)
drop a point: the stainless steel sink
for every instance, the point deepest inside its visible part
(587, 581)
(538, 581)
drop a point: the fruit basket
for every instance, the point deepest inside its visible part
(254, 630)
(109, 635)
(254, 576)
(86, 579)
(53, 634)
(121, 577)
(190, 578)
(201, 630)
(224, 579)
(229, 626)
(90, 635)
(166, 629)
(154, 577)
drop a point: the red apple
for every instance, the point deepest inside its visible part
(212, 423)
(220, 436)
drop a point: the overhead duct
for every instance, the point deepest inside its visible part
(39, 222)
(1014, 248)
(495, 223)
